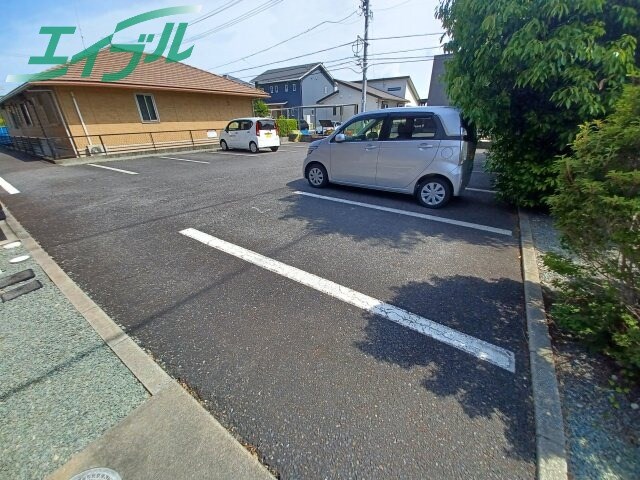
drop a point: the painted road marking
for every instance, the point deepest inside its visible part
(224, 152)
(114, 169)
(8, 187)
(480, 190)
(478, 348)
(424, 216)
(185, 160)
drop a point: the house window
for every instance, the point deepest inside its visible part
(326, 89)
(286, 87)
(294, 87)
(15, 118)
(147, 107)
(335, 111)
(25, 114)
(271, 89)
(276, 88)
(385, 105)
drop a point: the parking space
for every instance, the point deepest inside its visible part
(342, 332)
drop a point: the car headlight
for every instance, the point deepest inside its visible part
(311, 149)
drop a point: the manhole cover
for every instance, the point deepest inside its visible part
(11, 245)
(19, 259)
(97, 474)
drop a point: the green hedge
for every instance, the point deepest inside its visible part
(286, 125)
(597, 209)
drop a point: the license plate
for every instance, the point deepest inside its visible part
(267, 135)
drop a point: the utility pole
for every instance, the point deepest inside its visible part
(367, 13)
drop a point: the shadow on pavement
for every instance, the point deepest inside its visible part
(491, 311)
(375, 227)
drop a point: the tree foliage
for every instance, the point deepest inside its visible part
(260, 109)
(527, 73)
(597, 209)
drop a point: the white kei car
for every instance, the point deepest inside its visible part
(252, 133)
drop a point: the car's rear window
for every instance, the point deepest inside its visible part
(267, 124)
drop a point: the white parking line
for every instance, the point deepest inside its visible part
(478, 348)
(114, 169)
(424, 216)
(185, 160)
(480, 190)
(222, 152)
(8, 187)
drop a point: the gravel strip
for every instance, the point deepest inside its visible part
(603, 441)
(62, 386)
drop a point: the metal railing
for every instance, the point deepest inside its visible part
(111, 143)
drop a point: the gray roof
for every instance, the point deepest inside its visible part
(237, 80)
(286, 73)
(370, 91)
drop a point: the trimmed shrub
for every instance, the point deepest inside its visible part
(286, 125)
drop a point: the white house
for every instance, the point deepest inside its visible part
(399, 86)
(350, 93)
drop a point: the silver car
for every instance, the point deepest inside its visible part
(421, 151)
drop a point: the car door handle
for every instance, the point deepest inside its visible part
(425, 145)
(370, 147)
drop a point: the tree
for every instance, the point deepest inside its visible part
(260, 108)
(527, 73)
(597, 209)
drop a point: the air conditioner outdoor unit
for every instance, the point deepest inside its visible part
(95, 150)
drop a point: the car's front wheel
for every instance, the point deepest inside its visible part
(253, 147)
(434, 192)
(223, 145)
(317, 176)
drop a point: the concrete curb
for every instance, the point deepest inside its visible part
(141, 365)
(550, 439)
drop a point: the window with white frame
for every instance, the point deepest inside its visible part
(24, 109)
(286, 87)
(294, 87)
(271, 89)
(276, 88)
(326, 89)
(147, 107)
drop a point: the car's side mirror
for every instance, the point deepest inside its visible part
(340, 138)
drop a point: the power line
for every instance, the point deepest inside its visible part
(215, 11)
(291, 58)
(409, 36)
(284, 41)
(394, 6)
(240, 18)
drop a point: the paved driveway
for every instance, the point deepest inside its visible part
(344, 333)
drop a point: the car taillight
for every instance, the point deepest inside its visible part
(257, 128)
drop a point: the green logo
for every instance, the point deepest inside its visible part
(90, 53)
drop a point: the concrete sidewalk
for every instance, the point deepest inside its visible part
(169, 435)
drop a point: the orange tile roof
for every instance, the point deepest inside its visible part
(154, 75)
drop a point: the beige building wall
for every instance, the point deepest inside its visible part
(34, 114)
(111, 110)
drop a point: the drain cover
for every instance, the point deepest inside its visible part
(97, 474)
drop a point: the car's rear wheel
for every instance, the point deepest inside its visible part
(253, 147)
(317, 176)
(274, 149)
(434, 192)
(223, 145)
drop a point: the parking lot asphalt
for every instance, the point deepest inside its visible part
(273, 333)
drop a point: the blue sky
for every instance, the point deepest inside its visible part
(19, 37)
